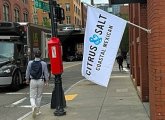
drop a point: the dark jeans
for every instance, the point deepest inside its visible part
(120, 66)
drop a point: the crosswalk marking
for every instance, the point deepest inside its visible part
(67, 97)
(12, 93)
(19, 101)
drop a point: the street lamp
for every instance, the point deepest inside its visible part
(58, 100)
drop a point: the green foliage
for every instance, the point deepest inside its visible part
(124, 45)
(46, 23)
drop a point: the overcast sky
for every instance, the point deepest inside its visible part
(95, 1)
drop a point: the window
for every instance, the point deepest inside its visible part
(34, 10)
(25, 16)
(75, 20)
(45, 20)
(16, 15)
(6, 50)
(24, 1)
(35, 19)
(5, 12)
(67, 6)
(68, 20)
(76, 9)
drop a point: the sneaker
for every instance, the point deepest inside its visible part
(38, 113)
(34, 110)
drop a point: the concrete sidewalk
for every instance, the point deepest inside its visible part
(119, 101)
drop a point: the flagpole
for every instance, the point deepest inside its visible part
(147, 30)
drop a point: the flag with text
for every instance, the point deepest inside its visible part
(103, 35)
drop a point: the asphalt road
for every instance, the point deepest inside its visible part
(13, 105)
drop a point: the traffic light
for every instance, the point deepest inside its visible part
(59, 13)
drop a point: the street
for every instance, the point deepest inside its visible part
(13, 105)
(89, 101)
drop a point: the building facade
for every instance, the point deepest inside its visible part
(84, 14)
(38, 16)
(73, 13)
(104, 7)
(147, 54)
(14, 10)
(116, 9)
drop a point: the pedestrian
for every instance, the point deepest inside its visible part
(37, 75)
(128, 60)
(120, 61)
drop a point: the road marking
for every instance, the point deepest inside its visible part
(67, 97)
(21, 118)
(27, 114)
(73, 86)
(119, 76)
(17, 102)
(70, 97)
(26, 106)
(26, 93)
(12, 93)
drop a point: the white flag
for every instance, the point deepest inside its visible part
(103, 35)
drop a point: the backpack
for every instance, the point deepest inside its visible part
(36, 70)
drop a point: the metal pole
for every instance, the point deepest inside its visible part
(58, 99)
(59, 94)
(52, 17)
(147, 30)
(52, 5)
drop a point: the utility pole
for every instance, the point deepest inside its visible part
(58, 100)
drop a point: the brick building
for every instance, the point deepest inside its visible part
(72, 12)
(84, 14)
(147, 54)
(14, 10)
(38, 16)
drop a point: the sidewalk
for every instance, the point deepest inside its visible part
(119, 101)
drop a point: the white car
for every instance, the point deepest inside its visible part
(67, 28)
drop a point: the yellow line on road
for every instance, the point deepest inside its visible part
(70, 97)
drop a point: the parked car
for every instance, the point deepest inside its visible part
(70, 58)
(67, 28)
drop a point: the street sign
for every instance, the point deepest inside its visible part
(42, 5)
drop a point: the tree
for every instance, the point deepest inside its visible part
(124, 45)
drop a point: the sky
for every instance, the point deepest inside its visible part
(95, 1)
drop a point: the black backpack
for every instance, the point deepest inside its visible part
(36, 70)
